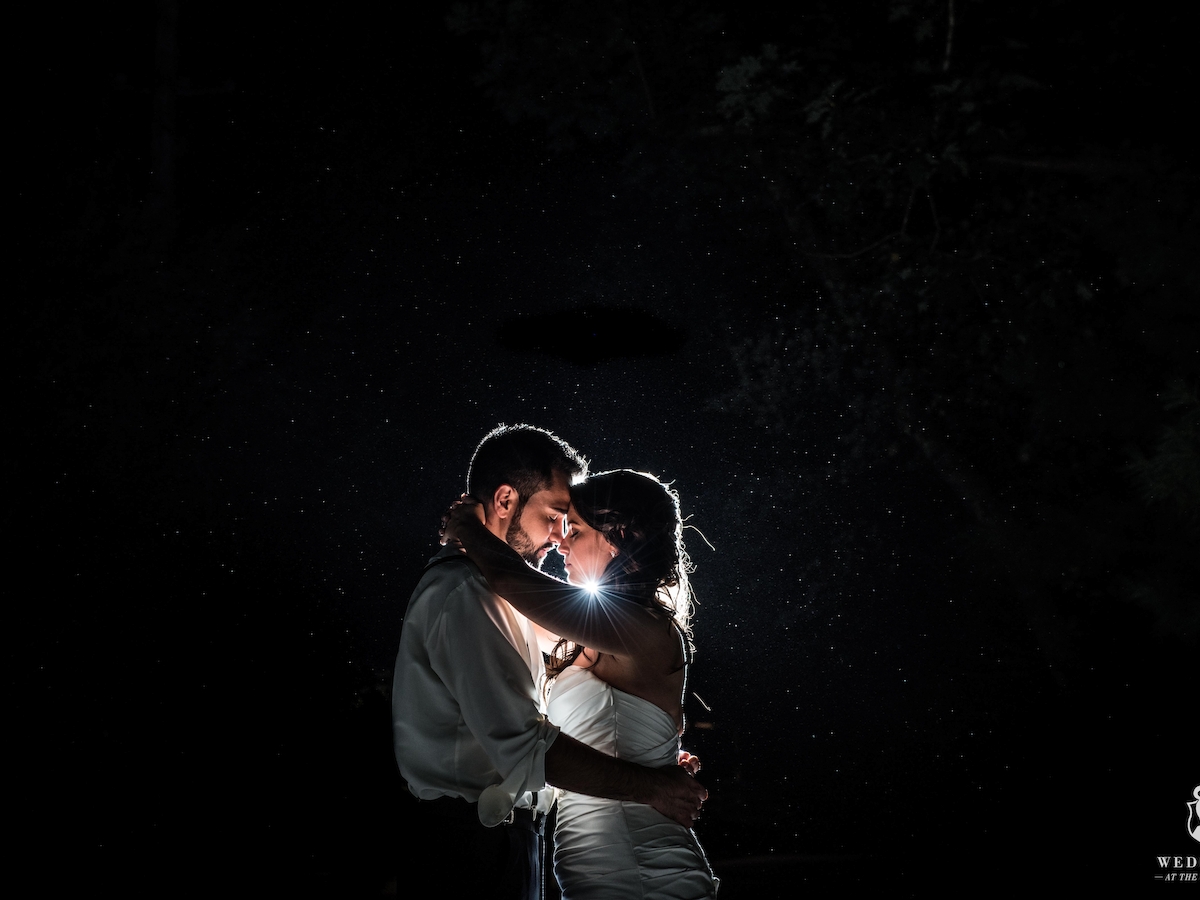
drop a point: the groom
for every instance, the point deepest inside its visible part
(469, 729)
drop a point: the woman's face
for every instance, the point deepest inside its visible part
(585, 551)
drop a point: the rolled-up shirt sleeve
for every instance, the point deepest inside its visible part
(473, 648)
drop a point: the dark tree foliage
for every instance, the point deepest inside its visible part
(986, 230)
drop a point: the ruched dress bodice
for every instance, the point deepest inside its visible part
(612, 849)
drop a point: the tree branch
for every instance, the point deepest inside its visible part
(949, 37)
(860, 252)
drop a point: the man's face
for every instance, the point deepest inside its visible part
(537, 526)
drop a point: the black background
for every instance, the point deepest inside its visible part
(243, 395)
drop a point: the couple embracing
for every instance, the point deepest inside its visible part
(482, 749)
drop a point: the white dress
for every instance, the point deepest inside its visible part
(612, 849)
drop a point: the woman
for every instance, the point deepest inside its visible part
(619, 670)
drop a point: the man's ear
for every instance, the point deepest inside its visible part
(505, 501)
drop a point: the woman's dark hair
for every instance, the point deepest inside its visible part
(639, 515)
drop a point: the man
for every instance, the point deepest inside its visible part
(471, 737)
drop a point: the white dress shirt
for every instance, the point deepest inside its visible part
(468, 719)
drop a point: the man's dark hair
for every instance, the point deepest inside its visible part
(522, 456)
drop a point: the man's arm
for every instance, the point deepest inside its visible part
(576, 767)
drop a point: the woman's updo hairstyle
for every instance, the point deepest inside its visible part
(639, 515)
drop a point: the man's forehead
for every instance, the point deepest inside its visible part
(557, 495)
(550, 500)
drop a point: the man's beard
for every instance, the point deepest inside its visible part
(518, 538)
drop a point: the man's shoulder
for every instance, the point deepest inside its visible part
(448, 575)
(450, 568)
(457, 561)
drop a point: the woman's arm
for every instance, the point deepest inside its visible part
(601, 621)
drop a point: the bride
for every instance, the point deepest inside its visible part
(619, 671)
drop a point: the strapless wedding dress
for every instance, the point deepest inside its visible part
(611, 849)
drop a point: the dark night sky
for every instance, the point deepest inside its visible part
(234, 445)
